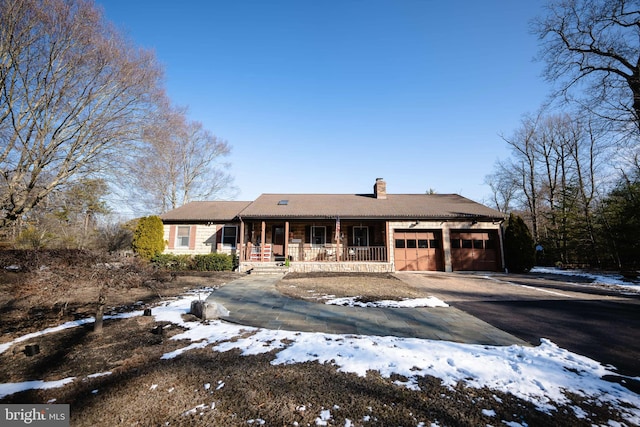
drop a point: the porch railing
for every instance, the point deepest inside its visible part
(322, 253)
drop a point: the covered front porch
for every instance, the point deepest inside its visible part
(313, 245)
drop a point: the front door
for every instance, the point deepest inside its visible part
(278, 240)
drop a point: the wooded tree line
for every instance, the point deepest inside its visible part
(574, 170)
(83, 119)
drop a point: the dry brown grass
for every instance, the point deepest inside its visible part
(368, 287)
(144, 389)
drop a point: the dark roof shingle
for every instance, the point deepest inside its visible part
(205, 211)
(367, 206)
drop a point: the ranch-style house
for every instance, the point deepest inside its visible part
(376, 232)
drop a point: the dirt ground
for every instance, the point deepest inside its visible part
(144, 389)
(369, 287)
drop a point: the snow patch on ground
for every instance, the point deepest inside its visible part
(540, 375)
(407, 303)
(597, 279)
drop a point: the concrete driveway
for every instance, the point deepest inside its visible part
(599, 322)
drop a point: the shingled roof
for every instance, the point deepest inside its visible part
(378, 205)
(413, 206)
(205, 212)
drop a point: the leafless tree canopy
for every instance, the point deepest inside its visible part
(178, 161)
(594, 46)
(554, 176)
(73, 93)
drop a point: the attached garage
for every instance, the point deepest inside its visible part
(475, 250)
(418, 250)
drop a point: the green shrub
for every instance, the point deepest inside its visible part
(213, 262)
(148, 237)
(519, 251)
(173, 262)
(208, 262)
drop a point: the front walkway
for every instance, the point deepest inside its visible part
(254, 301)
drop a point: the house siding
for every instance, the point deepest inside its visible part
(201, 239)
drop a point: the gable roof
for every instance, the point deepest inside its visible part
(410, 206)
(347, 206)
(205, 211)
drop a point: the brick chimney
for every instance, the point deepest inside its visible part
(380, 189)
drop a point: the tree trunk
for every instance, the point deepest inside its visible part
(97, 326)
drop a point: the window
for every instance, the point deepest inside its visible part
(183, 236)
(360, 236)
(467, 243)
(423, 244)
(411, 243)
(434, 243)
(318, 235)
(229, 236)
(478, 244)
(400, 243)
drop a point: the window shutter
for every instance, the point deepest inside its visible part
(172, 237)
(192, 237)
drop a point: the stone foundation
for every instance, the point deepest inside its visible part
(341, 267)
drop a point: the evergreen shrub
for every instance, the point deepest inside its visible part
(173, 262)
(208, 262)
(213, 262)
(148, 237)
(519, 250)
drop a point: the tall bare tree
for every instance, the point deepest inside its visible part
(525, 168)
(73, 93)
(557, 162)
(504, 184)
(180, 161)
(594, 46)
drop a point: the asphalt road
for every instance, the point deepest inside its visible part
(602, 323)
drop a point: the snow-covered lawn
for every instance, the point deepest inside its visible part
(537, 374)
(611, 280)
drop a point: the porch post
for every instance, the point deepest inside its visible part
(388, 242)
(286, 240)
(263, 233)
(241, 252)
(338, 239)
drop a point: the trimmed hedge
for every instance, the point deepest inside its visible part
(172, 262)
(213, 262)
(208, 262)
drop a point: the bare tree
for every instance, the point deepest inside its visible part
(594, 46)
(557, 162)
(180, 162)
(73, 93)
(504, 186)
(525, 167)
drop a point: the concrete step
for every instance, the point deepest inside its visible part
(269, 268)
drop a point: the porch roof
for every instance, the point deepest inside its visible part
(395, 206)
(203, 211)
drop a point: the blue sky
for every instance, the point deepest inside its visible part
(326, 96)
